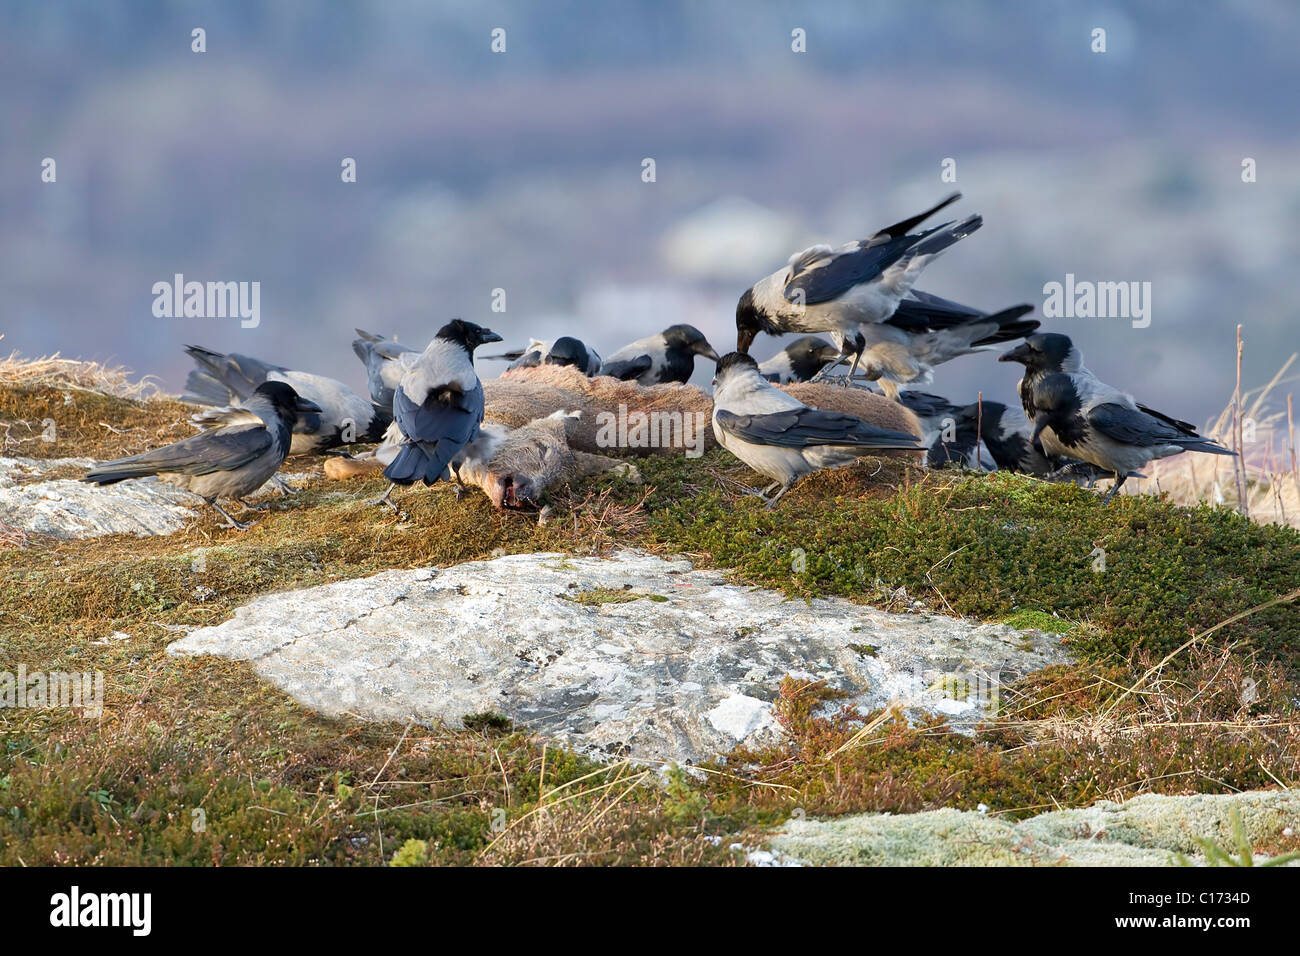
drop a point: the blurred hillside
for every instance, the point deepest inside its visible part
(522, 170)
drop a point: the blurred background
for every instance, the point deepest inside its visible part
(522, 170)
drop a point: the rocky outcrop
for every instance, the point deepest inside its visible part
(36, 502)
(1149, 830)
(630, 655)
(66, 508)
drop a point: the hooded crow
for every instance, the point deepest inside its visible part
(566, 350)
(799, 361)
(235, 457)
(934, 412)
(1007, 435)
(779, 436)
(668, 356)
(944, 441)
(437, 405)
(342, 418)
(839, 290)
(905, 348)
(947, 437)
(1076, 415)
(383, 359)
(1004, 434)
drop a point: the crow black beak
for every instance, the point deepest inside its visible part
(744, 339)
(489, 336)
(305, 407)
(706, 350)
(1018, 354)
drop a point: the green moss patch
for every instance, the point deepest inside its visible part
(275, 783)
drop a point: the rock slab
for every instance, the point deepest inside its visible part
(68, 509)
(1150, 830)
(685, 670)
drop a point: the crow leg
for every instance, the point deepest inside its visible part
(281, 486)
(237, 525)
(459, 487)
(1119, 480)
(827, 369)
(853, 370)
(771, 502)
(385, 498)
(263, 506)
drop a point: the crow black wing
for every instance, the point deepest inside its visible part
(627, 369)
(806, 427)
(824, 279)
(221, 449)
(1186, 427)
(1135, 427)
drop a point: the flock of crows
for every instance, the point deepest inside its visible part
(426, 407)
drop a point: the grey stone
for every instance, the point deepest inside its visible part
(685, 672)
(68, 509)
(1150, 830)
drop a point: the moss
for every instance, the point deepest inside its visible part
(994, 546)
(1141, 832)
(595, 597)
(411, 853)
(1038, 621)
(276, 783)
(488, 723)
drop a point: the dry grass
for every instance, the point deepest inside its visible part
(281, 785)
(57, 372)
(1268, 447)
(54, 407)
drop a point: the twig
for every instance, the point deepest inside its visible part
(1239, 463)
(1290, 434)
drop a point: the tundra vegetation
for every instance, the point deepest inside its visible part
(1188, 648)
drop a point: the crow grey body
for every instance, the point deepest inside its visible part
(438, 404)
(667, 356)
(779, 436)
(838, 291)
(1007, 435)
(927, 331)
(1076, 415)
(344, 418)
(1003, 433)
(239, 453)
